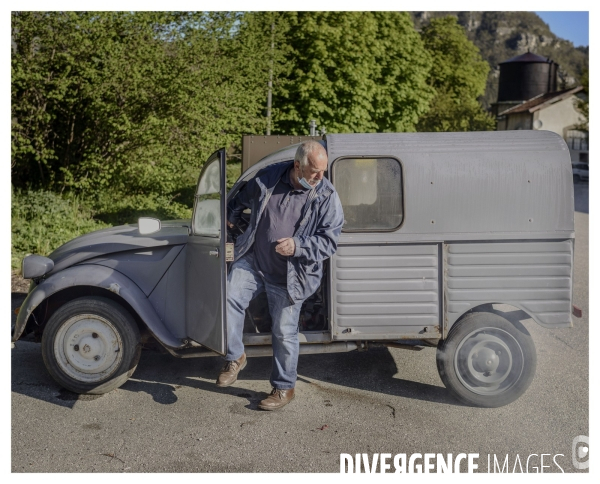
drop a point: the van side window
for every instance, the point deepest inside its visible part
(370, 190)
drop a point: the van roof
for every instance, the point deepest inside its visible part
(381, 144)
(478, 141)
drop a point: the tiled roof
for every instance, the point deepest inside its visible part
(541, 101)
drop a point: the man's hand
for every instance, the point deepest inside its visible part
(285, 246)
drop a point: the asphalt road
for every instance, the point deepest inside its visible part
(170, 417)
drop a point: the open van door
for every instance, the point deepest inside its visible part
(206, 271)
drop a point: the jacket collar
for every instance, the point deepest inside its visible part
(269, 177)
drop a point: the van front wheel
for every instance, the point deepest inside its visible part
(486, 360)
(91, 345)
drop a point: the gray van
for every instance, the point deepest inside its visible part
(439, 229)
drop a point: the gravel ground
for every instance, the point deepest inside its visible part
(17, 283)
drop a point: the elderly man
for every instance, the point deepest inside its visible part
(295, 224)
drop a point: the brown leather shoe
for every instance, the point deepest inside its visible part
(229, 373)
(277, 399)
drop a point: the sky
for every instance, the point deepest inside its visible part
(573, 26)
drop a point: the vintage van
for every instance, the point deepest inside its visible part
(439, 228)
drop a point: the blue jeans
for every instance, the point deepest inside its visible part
(244, 283)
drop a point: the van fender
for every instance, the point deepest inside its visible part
(104, 278)
(520, 312)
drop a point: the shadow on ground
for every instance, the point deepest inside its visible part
(161, 375)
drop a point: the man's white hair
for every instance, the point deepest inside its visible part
(305, 149)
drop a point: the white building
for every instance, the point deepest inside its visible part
(552, 111)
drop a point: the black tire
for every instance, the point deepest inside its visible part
(486, 360)
(91, 345)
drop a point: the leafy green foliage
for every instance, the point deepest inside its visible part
(115, 209)
(234, 170)
(583, 103)
(41, 221)
(353, 72)
(132, 101)
(458, 75)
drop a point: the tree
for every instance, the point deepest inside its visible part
(583, 103)
(132, 101)
(352, 72)
(260, 29)
(458, 76)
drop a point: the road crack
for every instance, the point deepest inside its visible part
(561, 340)
(393, 410)
(112, 455)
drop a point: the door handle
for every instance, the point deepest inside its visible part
(214, 253)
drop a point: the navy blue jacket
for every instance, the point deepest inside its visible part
(316, 237)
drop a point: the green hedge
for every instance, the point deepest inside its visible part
(41, 221)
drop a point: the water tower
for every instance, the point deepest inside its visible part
(524, 77)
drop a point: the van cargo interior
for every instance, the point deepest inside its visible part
(313, 316)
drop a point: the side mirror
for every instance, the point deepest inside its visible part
(34, 266)
(147, 225)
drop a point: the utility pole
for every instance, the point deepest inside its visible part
(270, 91)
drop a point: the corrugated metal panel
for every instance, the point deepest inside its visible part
(534, 276)
(385, 292)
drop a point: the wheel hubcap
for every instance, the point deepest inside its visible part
(88, 348)
(489, 361)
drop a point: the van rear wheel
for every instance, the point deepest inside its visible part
(486, 360)
(91, 345)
